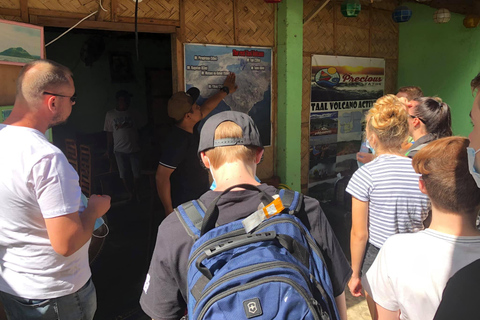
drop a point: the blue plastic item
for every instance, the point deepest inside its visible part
(99, 222)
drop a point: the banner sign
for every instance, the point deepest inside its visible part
(343, 89)
(206, 67)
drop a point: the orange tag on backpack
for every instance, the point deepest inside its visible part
(273, 208)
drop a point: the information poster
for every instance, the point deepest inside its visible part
(343, 89)
(206, 67)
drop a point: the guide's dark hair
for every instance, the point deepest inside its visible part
(435, 114)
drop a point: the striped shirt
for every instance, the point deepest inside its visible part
(396, 204)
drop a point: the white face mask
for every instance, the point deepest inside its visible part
(471, 164)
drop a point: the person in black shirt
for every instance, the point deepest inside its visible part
(179, 176)
(230, 147)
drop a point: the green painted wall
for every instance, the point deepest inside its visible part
(289, 115)
(442, 59)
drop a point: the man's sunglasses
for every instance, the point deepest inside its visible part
(72, 98)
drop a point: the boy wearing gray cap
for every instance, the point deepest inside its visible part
(179, 175)
(230, 148)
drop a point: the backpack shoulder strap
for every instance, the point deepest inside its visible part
(191, 216)
(292, 200)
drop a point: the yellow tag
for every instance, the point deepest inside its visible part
(273, 208)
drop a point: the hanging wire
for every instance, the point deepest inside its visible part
(91, 14)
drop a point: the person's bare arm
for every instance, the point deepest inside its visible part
(341, 306)
(68, 233)
(162, 179)
(384, 314)
(214, 100)
(358, 242)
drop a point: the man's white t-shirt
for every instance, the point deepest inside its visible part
(411, 270)
(36, 182)
(124, 125)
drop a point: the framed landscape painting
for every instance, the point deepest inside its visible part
(20, 43)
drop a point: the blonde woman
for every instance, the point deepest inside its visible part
(385, 196)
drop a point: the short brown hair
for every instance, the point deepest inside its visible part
(220, 155)
(443, 165)
(388, 119)
(412, 92)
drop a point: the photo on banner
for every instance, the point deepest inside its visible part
(343, 89)
(206, 67)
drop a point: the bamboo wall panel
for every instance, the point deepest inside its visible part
(305, 156)
(11, 18)
(351, 41)
(306, 87)
(384, 45)
(318, 32)
(209, 21)
(385, 5)
(10, 4)
(255, 23)
(165, 9)
(76, 6)
(382, 21)
(391, 71)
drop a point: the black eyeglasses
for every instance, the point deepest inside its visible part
(72, 98)
(417, 118)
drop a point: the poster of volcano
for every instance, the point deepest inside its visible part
(343, 89)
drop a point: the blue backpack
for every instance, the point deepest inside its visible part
(274, 272)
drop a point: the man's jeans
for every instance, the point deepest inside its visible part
(80, 305)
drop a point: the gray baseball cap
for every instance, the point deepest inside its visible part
(251, 136)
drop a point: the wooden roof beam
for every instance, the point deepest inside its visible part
(315, 11)
(102, 25)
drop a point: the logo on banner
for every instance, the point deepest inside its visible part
(327, 77)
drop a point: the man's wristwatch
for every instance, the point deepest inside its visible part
(225, 89)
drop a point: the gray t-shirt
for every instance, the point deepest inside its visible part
(124, 125)
(165, 290)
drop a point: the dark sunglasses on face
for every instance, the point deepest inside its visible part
(417, 118)
(72, 98)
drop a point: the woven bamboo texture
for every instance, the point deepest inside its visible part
(306, 97)
(75, 6)
(391, 71)
(154, 9)
(255, 23)
(318, 32)
(209, 21)
(10, 4)
(306, 87)
(305, 156)
(11, 18)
